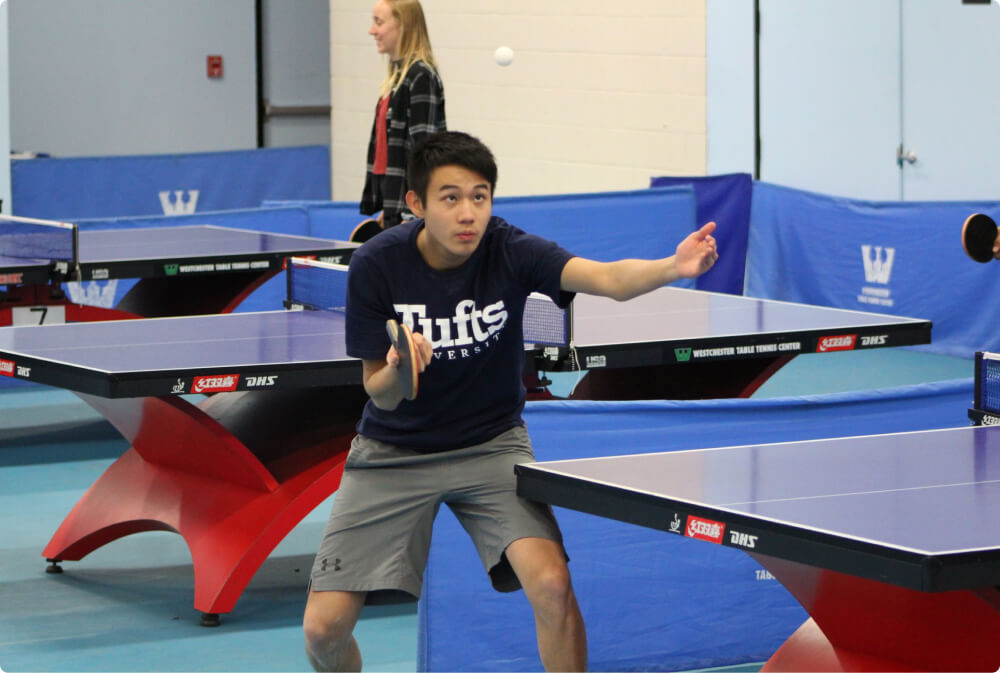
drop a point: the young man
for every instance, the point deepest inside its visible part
(459, 278)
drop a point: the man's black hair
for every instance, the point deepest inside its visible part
(448, 148)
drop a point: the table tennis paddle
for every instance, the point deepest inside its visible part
(979, 233)
(365, 231)
(402, 341)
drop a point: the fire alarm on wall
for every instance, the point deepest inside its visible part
(214, 64)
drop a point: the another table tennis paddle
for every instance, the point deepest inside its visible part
(979, 233)
(365, 231)
(402, 340)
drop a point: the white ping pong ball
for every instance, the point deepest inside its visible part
(503, 56)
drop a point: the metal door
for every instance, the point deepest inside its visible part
(829, 96)
(951, 100)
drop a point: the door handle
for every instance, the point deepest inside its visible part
(909, 156)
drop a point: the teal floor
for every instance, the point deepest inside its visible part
(844, 371)
(127, 606)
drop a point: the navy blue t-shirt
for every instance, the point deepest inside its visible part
(472, 390)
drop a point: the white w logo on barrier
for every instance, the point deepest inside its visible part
(93, 293)
(878, 267)
(178, 206)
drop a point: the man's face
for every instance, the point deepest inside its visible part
(456, 212)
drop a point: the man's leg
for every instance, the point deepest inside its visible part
(329, 629)
(540, 565)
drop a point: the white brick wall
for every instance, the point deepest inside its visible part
(601, 94)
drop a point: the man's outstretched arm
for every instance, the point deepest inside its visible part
(628, 278)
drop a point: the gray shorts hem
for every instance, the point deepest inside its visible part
(410, 588)
(502, 575)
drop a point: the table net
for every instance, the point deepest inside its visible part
(988, 382)
(23, 237)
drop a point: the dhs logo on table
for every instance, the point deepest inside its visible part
(875, 340)
(744, 540)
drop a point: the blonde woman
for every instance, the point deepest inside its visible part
(410, 107)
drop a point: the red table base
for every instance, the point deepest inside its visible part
(864, 625)
(232, 475)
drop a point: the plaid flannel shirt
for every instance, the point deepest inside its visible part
(416, 108)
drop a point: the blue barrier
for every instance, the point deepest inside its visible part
(890, 257)
(899, 258)
(604, 226)
(169, 184)
(329, 219)
(725, 200)
(652, 601)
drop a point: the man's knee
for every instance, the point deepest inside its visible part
(551, 589)
(540, 564)
(329, 620)
(324, 632)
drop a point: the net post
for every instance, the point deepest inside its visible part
(289, 265)
(977, 396)
(74, 272)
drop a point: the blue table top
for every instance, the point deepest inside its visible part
(163, 356)
(930, 492)
(914, 509)
(273, 337)
(674, 313)
(169, 251)
(110, 245)
(270, 338)
(662, 324)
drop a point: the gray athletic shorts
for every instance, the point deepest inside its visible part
(379, 533)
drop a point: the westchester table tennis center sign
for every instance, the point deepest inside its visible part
(687, 354)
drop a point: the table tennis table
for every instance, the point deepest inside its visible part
(676, 343)
(234, 472)
(890, 542)
(181, 270)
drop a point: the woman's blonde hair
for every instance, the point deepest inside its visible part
(414, 41)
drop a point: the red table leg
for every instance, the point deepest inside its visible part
(859, 624)
(232, 475)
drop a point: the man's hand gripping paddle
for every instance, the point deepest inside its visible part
(979, 234)
(402, 341)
